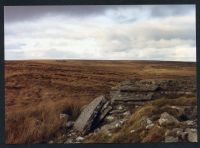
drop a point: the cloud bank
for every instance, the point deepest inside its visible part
(148, 32)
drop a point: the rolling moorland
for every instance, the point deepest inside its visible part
(37, 92)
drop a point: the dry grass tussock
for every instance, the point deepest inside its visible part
(36, 124)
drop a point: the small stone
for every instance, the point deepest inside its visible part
(171, 139)
(117, 125)
(176, 107)
(167, 132)
(150, 126)
(72, 134)
(149, 121)
(51, 142)
(68, 141)
(108, 133)
(192, 135)
(167, 119)
(132, 131)
(109, 118)
(121, 121)
(79, 139)
(190, 122)
(120, 107)
(127, 113)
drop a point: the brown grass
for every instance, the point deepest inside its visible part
(38, 91)
(155, 134)
(37, 124)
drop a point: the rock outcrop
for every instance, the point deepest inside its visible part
(106, 113)
(89, 115)
(139, 91)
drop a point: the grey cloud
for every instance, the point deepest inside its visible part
(54, 53)
(158, 34)
(9, 32)
(193, 44)
(116, 42)
(128, 20)
(171, 10)
(12, 46)
(123, 19)
(21, 13)
(172, 31)
(14, 54)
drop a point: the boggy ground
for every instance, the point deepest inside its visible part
(37, 92)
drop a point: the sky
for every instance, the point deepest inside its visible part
(103, 32)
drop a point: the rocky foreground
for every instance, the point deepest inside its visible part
(160, 110)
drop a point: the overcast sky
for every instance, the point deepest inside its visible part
(148, 32)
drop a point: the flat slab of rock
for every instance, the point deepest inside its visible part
(150, 89)
(133, 96)
(89, 114)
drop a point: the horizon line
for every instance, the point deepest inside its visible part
(92, 60)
